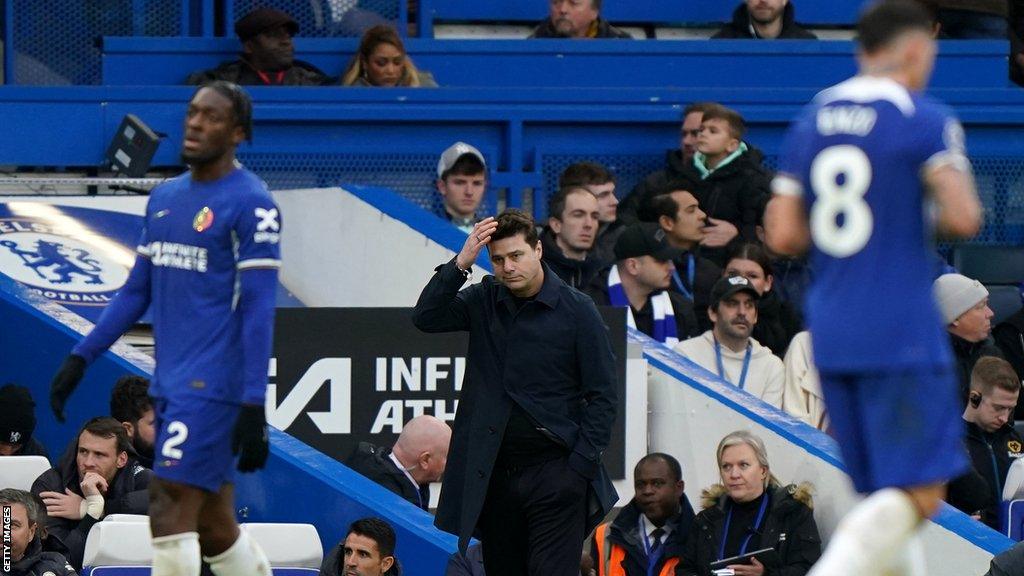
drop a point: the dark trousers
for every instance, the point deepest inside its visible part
(533, 520)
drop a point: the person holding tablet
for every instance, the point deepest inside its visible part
(751, 517)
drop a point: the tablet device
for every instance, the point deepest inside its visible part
(766, 556)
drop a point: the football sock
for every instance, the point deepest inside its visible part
(243, 558)
(176, 555)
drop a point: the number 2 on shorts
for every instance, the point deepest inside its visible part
(178, 433)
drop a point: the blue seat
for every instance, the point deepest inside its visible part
(990, 264)
(1012, 516)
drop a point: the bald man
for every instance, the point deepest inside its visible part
(407, 468)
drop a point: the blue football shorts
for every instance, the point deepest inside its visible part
(193, 442)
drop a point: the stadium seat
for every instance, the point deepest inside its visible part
(117, 544)
(288, 546)
(21, 471)
(990, 264)
(126, 518)
(1013, 519)
(1003, 300)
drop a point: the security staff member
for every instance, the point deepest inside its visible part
(537, 405)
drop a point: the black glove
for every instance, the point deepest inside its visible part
(65, 382)
(249, 441)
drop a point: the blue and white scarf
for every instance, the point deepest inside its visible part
(664, 317)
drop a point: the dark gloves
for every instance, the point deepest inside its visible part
(65, 382)
(250, 442)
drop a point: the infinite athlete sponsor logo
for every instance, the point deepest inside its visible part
(174, 255)
(59, 266)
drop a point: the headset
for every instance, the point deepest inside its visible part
(974, 399)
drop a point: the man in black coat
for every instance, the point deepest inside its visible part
(25, 547)
(764, 19)
(536, 409)
(568, 240)
(407, 469)
(18, 422)
(97, 476)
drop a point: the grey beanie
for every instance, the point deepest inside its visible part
(956, 294)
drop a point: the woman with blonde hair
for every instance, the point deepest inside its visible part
(381, 61)
(750, 511)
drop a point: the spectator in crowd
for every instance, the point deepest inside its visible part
(777, 321)
(97, 476)
(601, 183)
(462, 182)
(381, 61)
(27, 556)
(647, 537)
(728, 349)
(750, 510)
(639, 281)
(973, 19)
(1009, 562)
(802, 397)
(991, 440)
(671, 176)
(1009, 337)
(576, 19)
(792, 274)
(963, 305)
(417, 459)
(764, 19)
(18, 422)
(131, 405)
(268, 55)
(367, 550)
(568, 239)
(536, 408)
(679, 215)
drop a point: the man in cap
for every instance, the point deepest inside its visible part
(728, 349)
(963, 304)
(268, 55)
(18, 422)
(461, 181)
(638, 281)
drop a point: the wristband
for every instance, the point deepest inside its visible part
(93, 506)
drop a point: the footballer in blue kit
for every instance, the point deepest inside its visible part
(869, 170)
(207, 269)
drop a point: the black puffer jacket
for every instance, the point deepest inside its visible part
(242, 73)
(576, 273)
(777, 323)
(740, 27)
(38, 562)
(966, 355)
(789, 528)
(1009, 336)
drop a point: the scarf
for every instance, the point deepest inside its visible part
(664, 317)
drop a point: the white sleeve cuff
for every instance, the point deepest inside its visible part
(258, 263)
(786, 185)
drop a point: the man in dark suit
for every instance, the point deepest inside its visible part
(537, 405)
(407, 469)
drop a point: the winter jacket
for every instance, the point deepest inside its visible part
(599, 29)
(241, 72)
(604, 244)
(741, 28)
(682, 309)
(789, 527)
(1008, 562)
(621, 550)
(38, 562)
(793, 278)
(966, 355)
(777, 323)
(575, 273)
(33, 448)
(1009, 337)
(802, 397)
(765, 376)
(127, 494)
(376, 464)
(991, 455)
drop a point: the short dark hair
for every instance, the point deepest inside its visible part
(556, 204)
(701, 107)
(377, 530)
(129, 399)
(241, 102)
(466, 165)
(991, 372)
(673, 465)
(596, 4)
(884, 21)
(752, 252)
(660, 205)
(106, 427)
(35, 513)
(737, 127)
(585, 174)
(513, 221)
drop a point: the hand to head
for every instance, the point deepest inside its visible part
(478, 238)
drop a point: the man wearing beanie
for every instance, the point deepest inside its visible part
(268, 55)
(963, 304)
(18, 422)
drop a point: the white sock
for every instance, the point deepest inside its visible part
(176, 555)
(870, 535)
(243, 558)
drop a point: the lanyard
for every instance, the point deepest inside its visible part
(995, 471)
(750, 533)
(721, 367)
(278, 77)
(653, 555)
(690, 271)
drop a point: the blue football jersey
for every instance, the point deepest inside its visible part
(199, 236)
(857, 154)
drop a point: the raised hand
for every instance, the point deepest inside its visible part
(478, 238)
